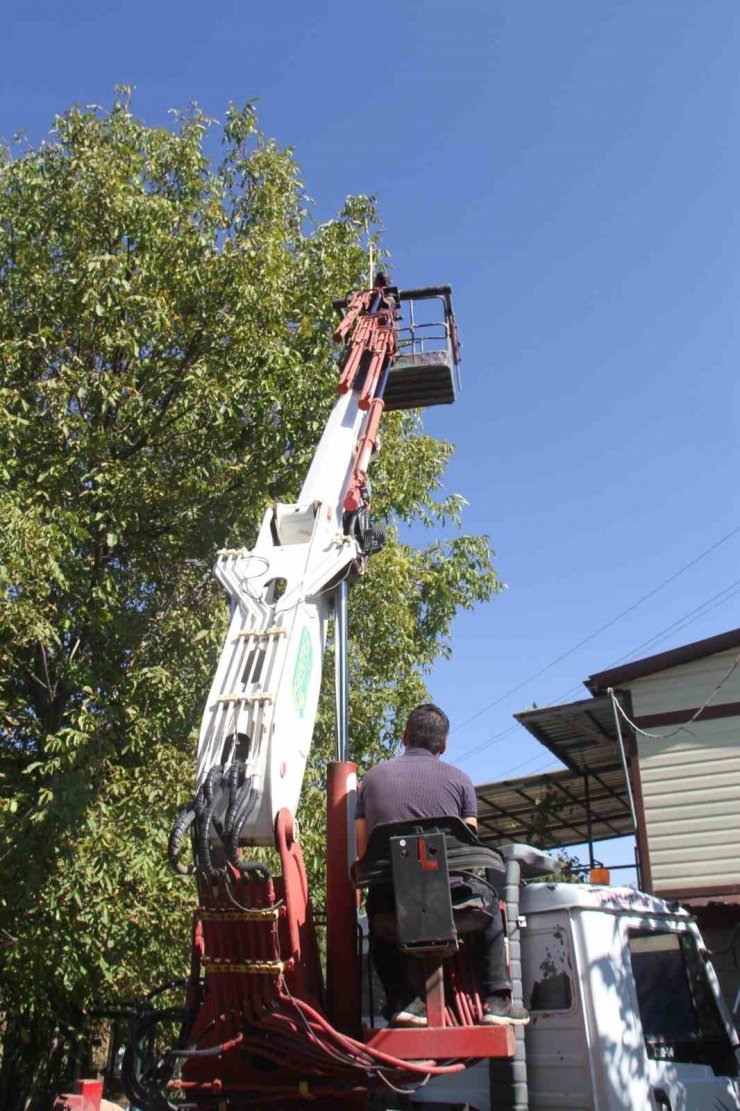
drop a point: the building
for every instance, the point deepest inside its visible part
(666, 768)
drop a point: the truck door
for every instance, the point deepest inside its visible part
(691, 1061)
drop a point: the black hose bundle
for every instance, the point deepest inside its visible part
(182, 824)
(145, 1072)
(357, 525)
(228, 789)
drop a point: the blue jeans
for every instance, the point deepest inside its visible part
(395, 969)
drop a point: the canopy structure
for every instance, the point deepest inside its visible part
(585, 802)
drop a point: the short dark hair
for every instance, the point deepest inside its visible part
(427, 727)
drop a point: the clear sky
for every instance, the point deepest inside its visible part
(572, 169)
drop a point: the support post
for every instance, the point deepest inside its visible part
(589, 822)
(623, 758)
(509, 1089)
(520, 1093)
(341, 679)
(343, 989)
(434, 985)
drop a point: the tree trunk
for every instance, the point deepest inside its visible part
(33, 1065)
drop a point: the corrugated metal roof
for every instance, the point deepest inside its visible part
(581, 734)
(586, 801)
(554, 808)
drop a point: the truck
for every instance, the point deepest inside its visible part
(626, 1011)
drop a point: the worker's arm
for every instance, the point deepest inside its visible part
(469, 808)
(361, 835)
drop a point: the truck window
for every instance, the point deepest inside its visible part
(551, 993)
(678, 1011)
(548, 970)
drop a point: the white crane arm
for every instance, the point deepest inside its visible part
(262, 705)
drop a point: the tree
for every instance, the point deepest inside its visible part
(167, 367)
(548, 807)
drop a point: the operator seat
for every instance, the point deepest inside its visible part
(417, 858)
(464, 850)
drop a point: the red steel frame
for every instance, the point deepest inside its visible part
(453, 1029)
(343, 964)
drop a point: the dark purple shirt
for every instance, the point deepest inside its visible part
(415, 785)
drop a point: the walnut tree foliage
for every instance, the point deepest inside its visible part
(166, 368)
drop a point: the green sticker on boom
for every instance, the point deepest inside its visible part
(302, 672)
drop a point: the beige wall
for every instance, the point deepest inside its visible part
(687, 685)
(691, 780)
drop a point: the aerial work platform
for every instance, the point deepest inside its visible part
(425, 370)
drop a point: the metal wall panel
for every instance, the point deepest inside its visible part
(691, 793)
(687, 685)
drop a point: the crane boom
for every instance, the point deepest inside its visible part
(258, 1027)
(258, 722)
(262, 704)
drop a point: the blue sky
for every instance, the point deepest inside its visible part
(572, 170)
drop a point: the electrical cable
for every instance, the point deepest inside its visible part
(676, 626)
(684, 726)
(601, 628)
(496, 738)
(682, 622)
(525, 763)
(376, 1054)
(402, 1091)
(717, 599)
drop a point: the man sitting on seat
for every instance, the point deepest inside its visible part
(418, 784)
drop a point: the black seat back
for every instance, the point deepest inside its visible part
(464, 850)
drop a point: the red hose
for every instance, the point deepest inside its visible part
(385, 1058)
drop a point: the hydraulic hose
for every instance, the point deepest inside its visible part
(229, 786)
(206, 802)
(183, 823)
(145, 1080)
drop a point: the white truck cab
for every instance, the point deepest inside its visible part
(626, 1011)
(626, 1008)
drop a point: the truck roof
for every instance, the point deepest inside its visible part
(540, 897)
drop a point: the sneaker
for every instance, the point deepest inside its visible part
(501, 1010)
(415, 1014)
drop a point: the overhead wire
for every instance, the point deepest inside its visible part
(683, 727)
(495, 739)
(676, 626)
(696, 613)
(705, 607)
(548, 759)
(680, 623)
(607, 625)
